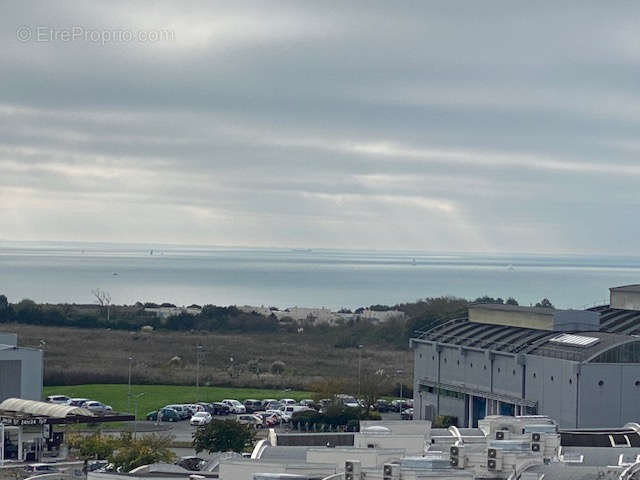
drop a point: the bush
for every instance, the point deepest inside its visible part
(277, 367)
(445, 421)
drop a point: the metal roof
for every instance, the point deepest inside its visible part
(616, 327)
(43, 409)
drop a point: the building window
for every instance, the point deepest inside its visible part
(458, 362)
(552, 378)
(514, 371)
(534, 374)
(637, 384)
(570, 381)
(498, 369)
(445, 360)
(601, 383)
(433, 357)
(485, 367)
(471, 365)
(420, 355)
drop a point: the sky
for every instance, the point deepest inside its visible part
(423, 125)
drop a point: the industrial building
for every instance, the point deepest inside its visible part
(21, 369)
(579, 367)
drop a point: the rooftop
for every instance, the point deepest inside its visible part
(616, 326)
(627, 288)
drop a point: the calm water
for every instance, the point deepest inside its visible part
(285, 277)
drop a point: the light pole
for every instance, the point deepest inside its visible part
(129, 383)
(135, 414)
(359, 366)
(400, 372)
(198, 352)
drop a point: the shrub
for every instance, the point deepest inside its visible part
(277, 367)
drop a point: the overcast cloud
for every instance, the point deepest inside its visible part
(438, 126)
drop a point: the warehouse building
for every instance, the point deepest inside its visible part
(21, 369)
(580, 367)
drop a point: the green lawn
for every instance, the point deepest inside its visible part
(156, 396)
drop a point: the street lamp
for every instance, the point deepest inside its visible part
(129, 383)
(400, 372)
(360, 347)
(198, 353)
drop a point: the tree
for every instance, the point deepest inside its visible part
(511, 301)
(92, 447)
(223, 436)
(277, 367)
(135, 452)
(104, 300)
(372, 386)
(5, 309)
(545, 303)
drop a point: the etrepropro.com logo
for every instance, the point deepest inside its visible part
(101, 36)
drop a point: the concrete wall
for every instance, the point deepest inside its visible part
(369, 457)
(30, 371)
(626, 300)
(552, 383)
(615, 401)
(516, 318)
(410, 444)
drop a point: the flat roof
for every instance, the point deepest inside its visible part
(514, 308)
(627, 288)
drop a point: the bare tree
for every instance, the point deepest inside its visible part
(104, 300)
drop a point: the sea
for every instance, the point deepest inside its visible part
(285, 277)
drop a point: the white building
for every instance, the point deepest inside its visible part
(21, 369)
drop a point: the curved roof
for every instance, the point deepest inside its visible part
(616, 326)
(32, 407)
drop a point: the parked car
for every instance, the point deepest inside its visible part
(309, 403)
(206, 407)
(291, 409)
(267, 401)
(200, 419)
(96, 407)
(234, 406)
(399, 405)
(194, 408)
(274, 405)
(252, 420)
(407, 414)
(40, 468)
(166, 415)
(220, 408)
(288, 401)
(382, 406)
(284, 418)
(59, 399)
(251, 405)
(77, 402)
(183, 411)
(347, 400)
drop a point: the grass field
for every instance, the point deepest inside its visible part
(156, 396)
(74, 356)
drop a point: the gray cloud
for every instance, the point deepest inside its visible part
(500, 126)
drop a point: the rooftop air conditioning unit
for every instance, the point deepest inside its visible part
(536, 439)
(503, 435)
(457, 456)
(494, 464)
(391, 471)
(352, 470)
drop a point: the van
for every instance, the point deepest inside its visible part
(182, 410)
(291, 409)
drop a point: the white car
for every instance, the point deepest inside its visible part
(97, 407)
(200, 418)
(284, 418)
(234, 406)
(253, 420)
(288, 401)
(59, 399)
